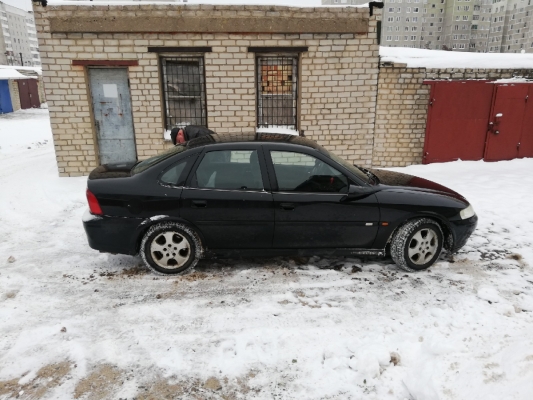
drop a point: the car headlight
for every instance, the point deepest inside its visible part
(467, 212)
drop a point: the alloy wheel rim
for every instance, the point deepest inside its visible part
(423, 246)
(170, 250)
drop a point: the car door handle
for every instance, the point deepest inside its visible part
(287, 206)
(199, 204)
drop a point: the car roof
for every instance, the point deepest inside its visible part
(252, 137)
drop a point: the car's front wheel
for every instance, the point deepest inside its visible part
(417, 244)
(170, 248)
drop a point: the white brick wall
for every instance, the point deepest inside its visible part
(337, 91)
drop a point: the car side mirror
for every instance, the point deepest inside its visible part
(356, 192)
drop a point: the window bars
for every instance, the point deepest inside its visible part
(277, 91)
(184, 91)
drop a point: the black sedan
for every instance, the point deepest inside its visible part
(268, 195)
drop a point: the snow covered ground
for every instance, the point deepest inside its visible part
(78, 324)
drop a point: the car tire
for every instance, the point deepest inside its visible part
(170, 248)
(417, 244)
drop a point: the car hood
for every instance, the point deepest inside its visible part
(118, 170)
(414, 183)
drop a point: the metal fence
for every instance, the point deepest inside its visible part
(277, 91)
(184, 91)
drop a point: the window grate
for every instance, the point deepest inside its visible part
(184, 91)
(277, 91)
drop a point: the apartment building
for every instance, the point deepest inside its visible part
(461, 25)
(18, 37)
(517, 32)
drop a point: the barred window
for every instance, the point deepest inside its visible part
(277, 91)
(184, 91)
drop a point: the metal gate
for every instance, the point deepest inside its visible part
(277, 91)
(112, 114)
(28, 93)
(510, 132)
(474, 120)
(457, 121)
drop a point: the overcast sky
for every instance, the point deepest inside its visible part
(26, 4)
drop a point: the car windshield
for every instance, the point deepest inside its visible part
(350, 167)
(144, 165)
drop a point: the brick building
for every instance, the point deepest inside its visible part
(119, 77)
(115, 87)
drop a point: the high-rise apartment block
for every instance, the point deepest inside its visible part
(18, 37)
(496, 26)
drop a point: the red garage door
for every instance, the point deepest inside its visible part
(474, 120)
(506, 122)
(29, 93)
(511, 124)
(526, 139)
(457, 120)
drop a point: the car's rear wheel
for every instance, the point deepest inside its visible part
(417, 244)
(170, 248)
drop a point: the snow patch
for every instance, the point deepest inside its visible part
(13, 74)
(158, 217)
(87, 216)
(37, 70)
(421, 58)
(517, 79)
(282, 130)
(154, 218)
(24, 130)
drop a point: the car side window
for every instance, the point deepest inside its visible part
(174, 173)
(298, 172)
(229, 170)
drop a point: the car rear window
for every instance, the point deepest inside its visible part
(149, 162)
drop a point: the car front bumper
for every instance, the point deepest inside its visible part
(461, 230)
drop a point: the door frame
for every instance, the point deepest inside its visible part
(91, 108)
